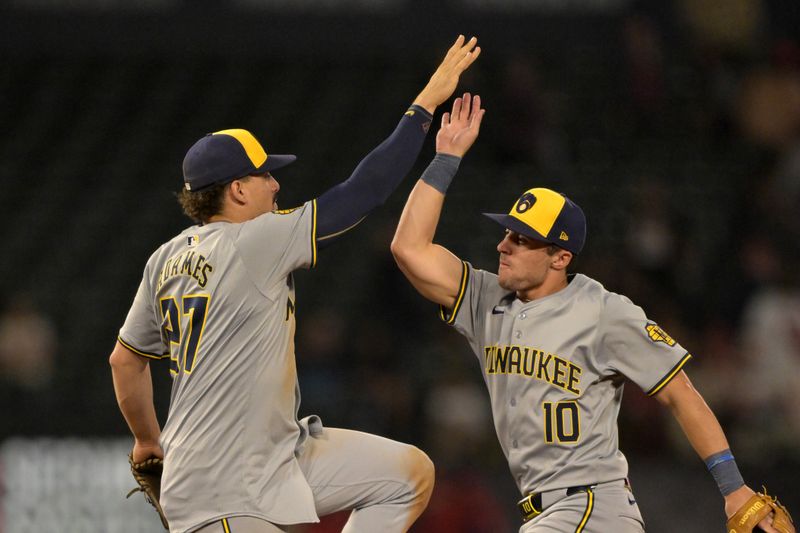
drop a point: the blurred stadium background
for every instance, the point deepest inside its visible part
(676, 125)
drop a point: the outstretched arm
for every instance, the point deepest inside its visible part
(380, 172)
(432, 269)
(707, 438)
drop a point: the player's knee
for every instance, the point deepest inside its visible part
(422, 475)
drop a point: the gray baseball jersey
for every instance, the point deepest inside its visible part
(218, 300)
(554, 368)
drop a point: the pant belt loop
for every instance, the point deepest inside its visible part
(535, 503)
(530, 506)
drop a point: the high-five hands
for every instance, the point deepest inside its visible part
(460, 128)
(443, 82)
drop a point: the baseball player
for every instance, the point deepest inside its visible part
(218, 301)
(554, 351)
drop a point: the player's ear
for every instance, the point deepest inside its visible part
(236, 192)
(561, 260)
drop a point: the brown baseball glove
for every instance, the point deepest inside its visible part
(755, 510)
(148, 475)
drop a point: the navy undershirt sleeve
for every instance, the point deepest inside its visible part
(343, 206)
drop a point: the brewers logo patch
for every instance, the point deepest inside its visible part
(525, 202)
(659, 335)
(286, 211)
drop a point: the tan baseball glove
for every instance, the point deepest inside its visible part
(755, 510)
(148, 475)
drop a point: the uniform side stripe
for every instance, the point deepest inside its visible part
(462, 289)
(588, 513)
(671, 374)
(139, 352)
(313, 233)
(225, 525)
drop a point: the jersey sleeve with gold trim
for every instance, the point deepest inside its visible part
(637, 347)
(141, 332)
(274, 244)
(478, 292)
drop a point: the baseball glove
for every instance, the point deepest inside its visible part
(148, 475)
(755, 510)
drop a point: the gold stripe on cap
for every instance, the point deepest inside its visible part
(251, 146)
(540, 214)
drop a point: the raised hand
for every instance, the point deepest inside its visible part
(460, 128)
(444, 81)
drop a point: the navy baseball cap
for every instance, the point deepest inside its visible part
(548, 216)
(226, 155)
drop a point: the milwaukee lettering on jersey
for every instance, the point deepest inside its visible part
(533, 363)
(188, 263)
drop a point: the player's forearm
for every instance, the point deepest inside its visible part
(133, 388)
(418, 222)
(706, 437)
(694, 416)
(433, 271)
(701, 427)
(423, 208)
(374, 179)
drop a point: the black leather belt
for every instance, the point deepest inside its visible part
(531, 505)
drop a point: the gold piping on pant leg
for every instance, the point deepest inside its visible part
(588, 513)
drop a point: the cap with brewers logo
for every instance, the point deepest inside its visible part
(548, 216)
(227, 155)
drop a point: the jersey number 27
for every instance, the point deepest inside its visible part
(184, 339)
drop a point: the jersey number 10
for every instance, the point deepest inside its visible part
(561, 420)
(194, 306)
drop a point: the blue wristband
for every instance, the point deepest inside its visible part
(723, 468)
(441, 172)
(718, 458)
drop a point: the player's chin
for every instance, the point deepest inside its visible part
(504, 280)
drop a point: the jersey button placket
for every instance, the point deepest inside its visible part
(518, 333)
(513, 401)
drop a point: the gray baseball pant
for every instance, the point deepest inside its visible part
(386, 483)
(609, 507)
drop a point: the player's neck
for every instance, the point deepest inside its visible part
(232, 216)
(220, 218)
(550, 285)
